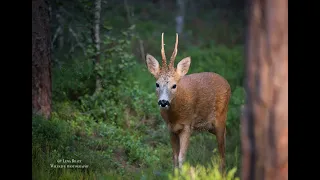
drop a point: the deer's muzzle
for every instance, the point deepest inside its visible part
(163, 103)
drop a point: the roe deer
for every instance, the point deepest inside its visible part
(195, 102)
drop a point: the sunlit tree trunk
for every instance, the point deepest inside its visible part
(41, 59)
(96, 37)
(265, 119)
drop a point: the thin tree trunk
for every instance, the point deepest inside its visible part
(41, 59)
(61, 31)
(96, 38)
(130, 21)
(265, 117)
(180, 16)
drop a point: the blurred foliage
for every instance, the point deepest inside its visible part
(188, 172)
(118, 131)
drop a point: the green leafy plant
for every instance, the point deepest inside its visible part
(200, 172)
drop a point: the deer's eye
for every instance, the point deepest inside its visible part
(174, 86)
(157, 85)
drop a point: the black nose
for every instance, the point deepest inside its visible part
(163, 103)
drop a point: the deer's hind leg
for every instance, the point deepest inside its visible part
(220, 132)
(221, 138)
(220, 127)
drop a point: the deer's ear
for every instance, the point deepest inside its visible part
(153, 65)
(183, 66)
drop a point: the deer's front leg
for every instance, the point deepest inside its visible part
(175, 148)
(184, 137)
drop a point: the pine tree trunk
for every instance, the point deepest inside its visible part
(265, 118)
(41, 59)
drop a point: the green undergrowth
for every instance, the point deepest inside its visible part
(118, 132)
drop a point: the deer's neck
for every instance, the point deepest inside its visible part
(178, 104)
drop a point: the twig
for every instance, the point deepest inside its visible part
(77, 39)
(56, 35)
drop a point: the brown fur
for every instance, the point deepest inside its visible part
(199, 103)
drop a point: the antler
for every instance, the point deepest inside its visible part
(174, 54)
(164, 60)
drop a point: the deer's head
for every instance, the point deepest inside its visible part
(167, 77)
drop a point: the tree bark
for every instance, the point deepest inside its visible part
(264, 124)
(41, 59)
(96, 37)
